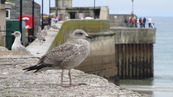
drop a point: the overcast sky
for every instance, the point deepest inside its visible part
(141, 7)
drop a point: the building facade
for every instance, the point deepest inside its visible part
(65, 9)
(26, 10)
(63, 3)
(4, 6)
(2, 23)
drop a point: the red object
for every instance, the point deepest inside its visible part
(140, 20)
(131, 19)
(28, 19)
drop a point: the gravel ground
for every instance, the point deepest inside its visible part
(14, 82)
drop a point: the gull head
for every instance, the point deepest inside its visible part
(80, 34)
(39, 28)
(16, 34)
(45, 27)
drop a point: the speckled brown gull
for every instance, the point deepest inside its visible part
(17, 46)
(44, 31)
(65, 56)
(41, 34)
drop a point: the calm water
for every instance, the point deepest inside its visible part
(162, 83)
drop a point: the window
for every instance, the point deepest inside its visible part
(7, 14)
(2, 1)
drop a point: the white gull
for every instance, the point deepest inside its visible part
(17, 46)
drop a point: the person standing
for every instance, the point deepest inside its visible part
(144, 21)
(135, 21)
(126, 22)
(141, 22)
(131, 21)
(138, 23)
(49, 20)
(149, 22)
(54, 19)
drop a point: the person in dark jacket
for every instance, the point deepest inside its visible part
(144, 21)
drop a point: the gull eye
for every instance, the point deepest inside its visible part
(80, 33)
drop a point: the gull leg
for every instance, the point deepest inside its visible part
(62, 74)
(69, 74)
(62, 77)
(70, 83)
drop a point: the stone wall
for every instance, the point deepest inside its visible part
(90, 26)
(134, 56)
(134, 35)
(117, 20)
(63, 3)
(16, 82)
(104, 13)
(101, 60)
(2, 24)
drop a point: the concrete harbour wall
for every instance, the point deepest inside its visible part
(90, 26)
(117, 20)
(134, 35)
(134, 52)
(101, 60)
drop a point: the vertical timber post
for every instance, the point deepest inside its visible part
(33, 17)
(20, 24)
(134, 61)
(42, 14)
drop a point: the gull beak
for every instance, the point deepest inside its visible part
(90, 37)
(12, 34)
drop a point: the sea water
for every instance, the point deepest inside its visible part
(162, 83)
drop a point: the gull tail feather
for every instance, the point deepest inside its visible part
(35, 67)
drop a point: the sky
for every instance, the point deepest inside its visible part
(141, 7)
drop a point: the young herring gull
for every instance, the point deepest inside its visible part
(41, 35)
(17, 46)
(65, 56)
(44, 31)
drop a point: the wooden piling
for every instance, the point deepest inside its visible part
(134, 61)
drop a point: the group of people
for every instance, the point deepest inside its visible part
(133, 21)
(54, 18)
